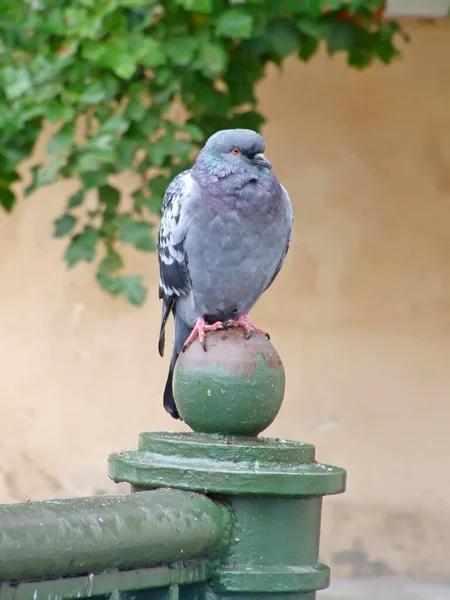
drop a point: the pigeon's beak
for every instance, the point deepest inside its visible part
(260, 159)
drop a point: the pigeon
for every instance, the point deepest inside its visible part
(224, 234)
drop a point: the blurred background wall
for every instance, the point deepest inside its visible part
(360, 315)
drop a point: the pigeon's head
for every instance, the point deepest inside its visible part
(233, 151)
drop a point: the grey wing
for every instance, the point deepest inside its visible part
(288, 238)
(174, 280)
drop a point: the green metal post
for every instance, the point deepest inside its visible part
(273, 487)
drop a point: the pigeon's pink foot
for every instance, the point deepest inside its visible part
(200, 330)
(246, 324)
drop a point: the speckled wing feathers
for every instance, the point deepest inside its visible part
(174, 275)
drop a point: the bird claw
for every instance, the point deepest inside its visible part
(252, 331)
(247, 326)
(200, 329)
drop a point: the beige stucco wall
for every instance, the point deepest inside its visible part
(360, 315)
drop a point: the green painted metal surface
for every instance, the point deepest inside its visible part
(274, 489)
(258, 596)
(227, 465)
(253, 535)
(236, 387)
(68, 537)
(274, 547)
(134, 584)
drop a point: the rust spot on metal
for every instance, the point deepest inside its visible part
(272, 359)
(231, 350)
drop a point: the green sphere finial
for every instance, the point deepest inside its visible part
(236, 387)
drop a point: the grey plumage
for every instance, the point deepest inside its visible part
(224, 234)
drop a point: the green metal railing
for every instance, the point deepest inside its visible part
(212, 516)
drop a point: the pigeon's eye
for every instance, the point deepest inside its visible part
(236, 151)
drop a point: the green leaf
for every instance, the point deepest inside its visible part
(131, 3)
(43, 175)
(340, 35)
(127, 152)
(125, 65)
(140, 201)
(114, 55)
(96, 160)
(359, 58)
(106, 282)
(93, 93)
(147, 51)
(117, 124)
(206, 101)
(331, 5)
(384, 46)
(81, 22)
(308, 47)
(284, 37)
(150, 123)
(153, 203)
(201, 6)
(240, 84)
(16, 81)
(181, 50)
(82, 247)
(213, 58)
(112, 261)
(93, 52)
(13, 155)
(248, 120)
(196, 133)
(123, 55)
(314, 29)
(160, 150)
(128, 286)
(234, 23)
(136, 107)
(109, 196)
(94, 178)
(76, 199)
(64, 225)
(162, 76)
(138, 233)
(54, 112)
(181, 149)
(7, 199)
(53, 21)
(256, 47)
(62, 140)
(7, 177)
(131, 288)
(165, 96)
(102, 146)
(157, 186)
(291, 7)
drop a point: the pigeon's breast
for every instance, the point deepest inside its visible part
(233, 253)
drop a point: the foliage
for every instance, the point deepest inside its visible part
(107, 73)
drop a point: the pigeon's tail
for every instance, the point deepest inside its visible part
(168, 399)
(182, 332)
(168, 306)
